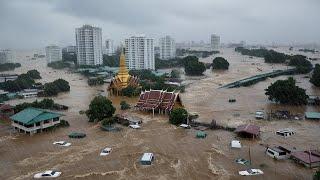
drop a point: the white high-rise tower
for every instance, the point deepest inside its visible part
(167, 48)
(53, 53)
(215, 42)
(89, 45)
(139, 52)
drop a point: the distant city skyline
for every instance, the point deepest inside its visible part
(37, 23)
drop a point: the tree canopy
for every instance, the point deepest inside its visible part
(286, 92)
(192, 66)
(301, 63)
(24, 81)
(111, 61)
(220, 63)
(270, 56)
(9, 66)
(178, 116)
(315, 78)
(34, 74)
(100, 108)
(55, 87)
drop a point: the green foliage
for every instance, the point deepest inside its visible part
(44, 104)
(64, 123)
(286, 92)
(55, 87)
(171, 63)
(99, 109)
(270, 56)
(9, 66)
(302, 64)
(130, 91)
(203, 54)
(124, 105)
(34, 74)
(59, 65)
(108, 121)
(192, 66)
(24, 81)
(316, 175)
(175, 73)
(315, 79)
(220, 63)
(178, 116)
(111, 61)
(95, 81)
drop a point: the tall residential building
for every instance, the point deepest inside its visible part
(215, 42)
(53, 53)
(70, 49)
(7, 56)
(167, 48)
(89, 45)
(140, 52)
(109, 47)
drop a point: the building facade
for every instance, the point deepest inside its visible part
(109, 49)
(167, 48)
(7, 56)
(215, 42)
(89, 45)
(53, 53)
(70, 49)
(140, 52)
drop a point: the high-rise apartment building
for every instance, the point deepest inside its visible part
(7, 56)
(139, 52)
(109, 47)
(53, 53)
(89, 45)
(167, 48)
(215, 42)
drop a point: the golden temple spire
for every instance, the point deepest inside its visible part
(123, 73)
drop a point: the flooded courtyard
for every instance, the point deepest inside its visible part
(178, 154)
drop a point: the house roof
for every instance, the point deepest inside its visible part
(312, 115)
(33, 115)
(5, 106)
(248, 128)
(306, 156)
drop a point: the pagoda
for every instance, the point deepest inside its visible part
(123, 79)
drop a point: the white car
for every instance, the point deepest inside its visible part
(250, 172)
(105, 152)
(47, 174)
(62, 143)
(134, 126)
(186, 126)
(259, 115)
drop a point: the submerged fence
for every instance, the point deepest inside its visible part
(257, 78)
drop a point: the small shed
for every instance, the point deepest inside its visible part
(307, 158)
(235, 144)
(147, 159)
(248, 131)
(312, 115)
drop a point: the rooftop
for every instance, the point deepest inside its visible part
(248, 128)
(312, 115)
(33, 115)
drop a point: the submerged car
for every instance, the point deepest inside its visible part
(250, 172)
(47, 174)
(105, 152)
(186, 126)
(242, 161)
(134, 126)
(62, 143)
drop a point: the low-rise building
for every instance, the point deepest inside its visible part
(28, 93)
(33, 120)
(8, 77)
(309, 158)
(248, 130)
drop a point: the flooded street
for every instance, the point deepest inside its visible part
(178, 154)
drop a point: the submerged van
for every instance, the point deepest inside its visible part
(147, 159)
(278, 152)
(285, 132)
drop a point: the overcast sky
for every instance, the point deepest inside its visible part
(37, 23)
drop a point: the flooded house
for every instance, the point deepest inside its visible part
(278, 152)
(248, 131)
(309, 158)
(33, 120)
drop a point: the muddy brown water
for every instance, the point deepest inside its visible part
(178, 154)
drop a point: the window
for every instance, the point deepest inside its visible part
(270, 152)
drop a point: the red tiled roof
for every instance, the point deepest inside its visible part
(248, 128)
(306, 156)
(5, 107)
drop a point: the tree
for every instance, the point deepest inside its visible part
(192, 66)
(111, 61)
(34, 74)
(315, 79)
(175, 73)
(124, 105)
(178, 116)
(100, 108)
(316, 175)
(286, 92)
(220, 63)
(301, 63)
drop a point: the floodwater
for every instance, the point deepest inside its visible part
(178, 154)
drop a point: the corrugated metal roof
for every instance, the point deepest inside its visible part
(33, 115)
(312, 115)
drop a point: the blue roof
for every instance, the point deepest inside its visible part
(33, 115)
(312, 115)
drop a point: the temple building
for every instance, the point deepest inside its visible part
(123, 79)
(158, 100)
